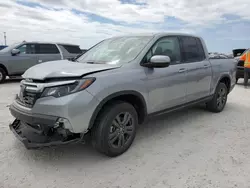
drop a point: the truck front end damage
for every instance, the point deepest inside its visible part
(53, 106)
(41, 136)
(36, 131)
(42, 121)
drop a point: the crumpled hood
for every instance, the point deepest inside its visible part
(64, 68)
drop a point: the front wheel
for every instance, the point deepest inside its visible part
(115, 129)
(219, 99)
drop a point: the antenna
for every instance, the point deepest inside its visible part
(4, 38)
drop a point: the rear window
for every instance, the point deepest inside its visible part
(47, 49)
(72, 49)
(192, 49)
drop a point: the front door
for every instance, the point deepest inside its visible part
(27, 58)
(167, 86)
(199, 71)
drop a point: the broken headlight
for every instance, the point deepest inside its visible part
(63, 90)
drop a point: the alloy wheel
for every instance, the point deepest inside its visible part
(221, 98)
(121, 130)
(1, 76)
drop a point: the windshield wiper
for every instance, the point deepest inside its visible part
(73, 59)
(96, 62)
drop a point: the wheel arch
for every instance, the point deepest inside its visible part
(4, 68)
(226, 80)
(133, 97)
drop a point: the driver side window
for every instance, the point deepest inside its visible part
(168, 46)
(22, 49)
(27, 49)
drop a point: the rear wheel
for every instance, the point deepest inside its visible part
(219, 99)
(2, 75)
(115, 129)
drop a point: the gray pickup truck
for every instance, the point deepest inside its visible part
(115, 86)
(17, 58)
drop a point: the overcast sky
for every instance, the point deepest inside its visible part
(224, 24)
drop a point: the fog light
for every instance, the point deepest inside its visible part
(63, 123)
(59, 122)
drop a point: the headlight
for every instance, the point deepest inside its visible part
(62, 90)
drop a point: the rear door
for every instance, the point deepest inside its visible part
(199, 71)
(47, 52)
(27, 58)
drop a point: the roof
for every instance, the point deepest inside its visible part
(179, 34)
(46, 42)
(158, 34)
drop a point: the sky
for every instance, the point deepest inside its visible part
(223, 24)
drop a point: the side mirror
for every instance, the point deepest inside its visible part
(158, 61)
(15, 51)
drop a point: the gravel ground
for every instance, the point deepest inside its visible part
(191, 148)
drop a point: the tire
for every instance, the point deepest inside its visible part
(111, 137)
(237, 80)
(2, 75)
(219, 99)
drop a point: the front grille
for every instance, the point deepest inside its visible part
(27, 98)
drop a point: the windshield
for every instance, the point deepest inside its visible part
(7, 49)
(117, 50)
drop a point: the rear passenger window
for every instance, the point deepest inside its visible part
(201, 50)
(192, 49)
(47, 49)
(72, 49)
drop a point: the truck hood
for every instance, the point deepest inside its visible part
(64, 69)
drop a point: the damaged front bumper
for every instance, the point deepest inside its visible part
(36, 130)
(37, 137)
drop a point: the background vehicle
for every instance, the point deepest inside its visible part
(237, 52)
(2, 47)
(17, 58)
(240, 64)
(115, 86)
(218, 56)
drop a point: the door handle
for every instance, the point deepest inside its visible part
(182, 70)
(206, 66)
